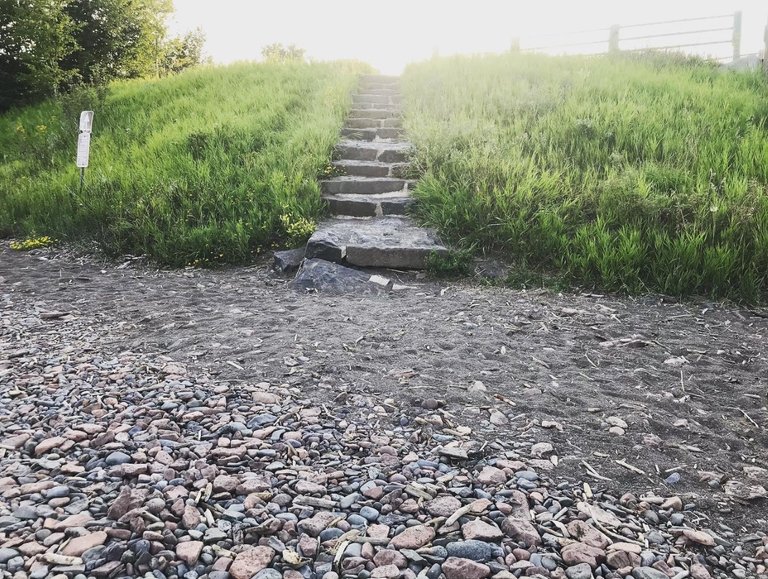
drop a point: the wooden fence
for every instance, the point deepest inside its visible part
(719, 30)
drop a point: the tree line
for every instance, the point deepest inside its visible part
(53, 46)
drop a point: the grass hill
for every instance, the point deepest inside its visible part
(210, 165)
(624, 173)
(629, 173)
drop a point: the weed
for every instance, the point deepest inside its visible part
(330, 170)
(297, 229)
(32, 243)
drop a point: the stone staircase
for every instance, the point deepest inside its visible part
(370, 198)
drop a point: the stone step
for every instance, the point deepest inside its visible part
(370, 99)
(386, 92)
(372, 168)
(370, 83)
(369, 123)
(363, 168)
(359, 134)
(352, 185)
(379, 78)
(368, 88)
(390, 133)
(373, 151)
(373, 113)
(371, 134)
(361, 99)
(369, 205)
(391, 108)
(362, 123)
(394, 242)
(375, 86)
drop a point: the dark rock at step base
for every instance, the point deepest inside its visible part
(289, 260)
(329, 277)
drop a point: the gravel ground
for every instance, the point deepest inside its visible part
(222, 424)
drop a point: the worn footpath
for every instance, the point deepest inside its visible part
(223, 424)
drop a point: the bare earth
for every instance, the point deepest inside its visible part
(689, 379)
(124, 389)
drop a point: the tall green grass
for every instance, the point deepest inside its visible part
(624, 173)
(210, 165)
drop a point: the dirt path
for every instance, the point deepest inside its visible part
(686, 383)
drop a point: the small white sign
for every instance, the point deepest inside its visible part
(86, 121)
(83, 149)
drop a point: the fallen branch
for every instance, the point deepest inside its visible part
(592, 472)
(747, 416)
(615, 536)
(630, 467)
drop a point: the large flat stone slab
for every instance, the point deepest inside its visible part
(394, 242)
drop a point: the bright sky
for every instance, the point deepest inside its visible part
(391, 33)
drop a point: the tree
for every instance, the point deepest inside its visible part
(35, 36)
(278, 53)
(183, 52)
(52, 45)
(117, 38)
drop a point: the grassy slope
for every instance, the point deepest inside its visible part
(621, 173)
(209, 165)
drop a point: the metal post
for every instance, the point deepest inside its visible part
(736, 35)
(613, 39)
(82, 179)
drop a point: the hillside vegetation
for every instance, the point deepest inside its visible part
(209, 165)
(627, 173)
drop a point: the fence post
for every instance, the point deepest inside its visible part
(613, 39)
(736, 35)
(765, 51)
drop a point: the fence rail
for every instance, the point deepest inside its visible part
(676, 39)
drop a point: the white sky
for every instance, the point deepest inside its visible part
(391, 33)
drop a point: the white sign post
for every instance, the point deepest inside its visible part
(83, 149)
(84, 144)
(86, 121)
